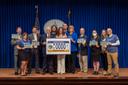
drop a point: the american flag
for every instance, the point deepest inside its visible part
(69, 16)
(37, 23)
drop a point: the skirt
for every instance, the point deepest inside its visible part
(24, 54)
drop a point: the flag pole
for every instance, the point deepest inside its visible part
(37, 24)
(69, 16)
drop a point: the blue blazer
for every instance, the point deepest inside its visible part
(73, 45)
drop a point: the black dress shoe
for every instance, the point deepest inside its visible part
(97, 73)
(51, 73)
(43, 73)
(37, 71)
(94, 73)
(16, 73)
(73, 72)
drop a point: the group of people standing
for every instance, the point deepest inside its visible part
(104, 47)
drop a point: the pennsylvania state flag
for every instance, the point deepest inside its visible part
(37, 23)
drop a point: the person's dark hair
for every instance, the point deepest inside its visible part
(92, 37)
(25, 34)
(35, 27)
(58, 31)
(98, 37)
(53, 27)
(18, 28)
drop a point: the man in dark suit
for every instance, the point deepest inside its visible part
(35, 52)
(44, 56)
(47, 59)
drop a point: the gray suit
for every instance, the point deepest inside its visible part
(14, 43)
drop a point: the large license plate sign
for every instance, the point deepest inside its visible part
(58, 46)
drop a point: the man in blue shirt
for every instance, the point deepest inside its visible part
(83, 50)
(112, 52)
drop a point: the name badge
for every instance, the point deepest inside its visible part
(103, 43)
(27, 45)
(35, 43)
(81, 40)
(15, 36)
(93, 42)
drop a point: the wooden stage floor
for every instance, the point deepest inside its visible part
(7, 73)
(7, 77)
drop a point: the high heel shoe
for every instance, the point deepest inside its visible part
(23, 74)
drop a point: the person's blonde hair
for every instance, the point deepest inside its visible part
(71, 26)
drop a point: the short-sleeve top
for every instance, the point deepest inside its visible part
(22, 43)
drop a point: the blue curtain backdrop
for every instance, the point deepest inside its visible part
(90, 14)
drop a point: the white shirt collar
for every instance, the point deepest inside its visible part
(35, 36)
(110, 35)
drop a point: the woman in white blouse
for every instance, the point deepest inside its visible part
(61, 58)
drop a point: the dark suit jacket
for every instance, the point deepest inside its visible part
(42, 41)
(31, 37)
